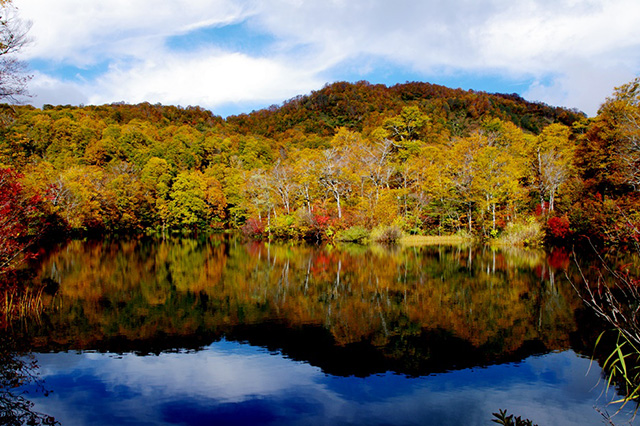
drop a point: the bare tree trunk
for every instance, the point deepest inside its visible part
(493, 211)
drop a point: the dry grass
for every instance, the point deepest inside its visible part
(425, 240)
(19, 304)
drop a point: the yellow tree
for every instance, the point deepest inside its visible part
(374, 167)
(281, 180)
(498, 177)
(431, 188)
(196, 199)
(336, 170)
(76, 195)
(462, 172)
(306, 175)
(553, 158)
(407, 125)
(156, 177)
(623, 111)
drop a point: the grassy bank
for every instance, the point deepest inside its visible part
(424, 240)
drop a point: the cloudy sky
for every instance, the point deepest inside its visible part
(233, 56)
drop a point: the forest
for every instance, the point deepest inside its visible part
(348, 162)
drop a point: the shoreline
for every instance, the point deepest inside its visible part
(427, 240)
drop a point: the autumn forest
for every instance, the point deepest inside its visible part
(348, 162)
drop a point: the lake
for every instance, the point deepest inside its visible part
(215, 330)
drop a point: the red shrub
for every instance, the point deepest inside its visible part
(253, 228)
(558, 227)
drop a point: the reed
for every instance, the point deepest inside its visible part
(18, 304)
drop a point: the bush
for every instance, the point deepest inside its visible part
(312, 227)
(525, 234)
(354, 234)
(283, 228)
(387, 234)
(558, 227)
(253, 228)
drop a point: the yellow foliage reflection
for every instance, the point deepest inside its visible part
(139, 289)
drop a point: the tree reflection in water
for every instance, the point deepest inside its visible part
(349, 312)
(416, 310)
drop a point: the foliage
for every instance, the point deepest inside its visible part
(17, 370)
(283, 228)
(503, 419)
(615, 297)
(623, 368)
(525, 233)
(386, 234)
(429, 159)
(558, 228)
(253, 228)
(21, 220)
(355, 234)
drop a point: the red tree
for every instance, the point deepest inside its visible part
(21, 221)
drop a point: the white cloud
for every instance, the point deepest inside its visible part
(567, 42)
(82, 32)
(583, 84)
(593, 42)
(207, 78)
(52, 91)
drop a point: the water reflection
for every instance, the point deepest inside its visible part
(234, 383)
(241, 332)
(416, 311)
(18, 370)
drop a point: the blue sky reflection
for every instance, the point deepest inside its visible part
(234, 383)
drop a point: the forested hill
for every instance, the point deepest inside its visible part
(343, 162)
(363, 106)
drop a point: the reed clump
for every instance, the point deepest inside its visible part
(18, 304)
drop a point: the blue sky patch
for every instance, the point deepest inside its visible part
(235, 38)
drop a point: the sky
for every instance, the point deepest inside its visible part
(235, 56)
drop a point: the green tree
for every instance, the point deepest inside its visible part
(196, 199)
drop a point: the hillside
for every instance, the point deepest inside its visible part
(362, 106)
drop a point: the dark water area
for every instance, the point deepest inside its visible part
(214, 330)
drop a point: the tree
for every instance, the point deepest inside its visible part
(280, 178)
(156, 176)
(336, 174)
(196, 198)
(77, 196)
(188, 206)
(407, 125)
(498, 177)
(552, 162)
(13, 37)
(20, 222)
(375, 167)
(463, 173)
(305, 175)
(624, 109)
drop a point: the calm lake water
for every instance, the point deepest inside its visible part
(214, 330)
